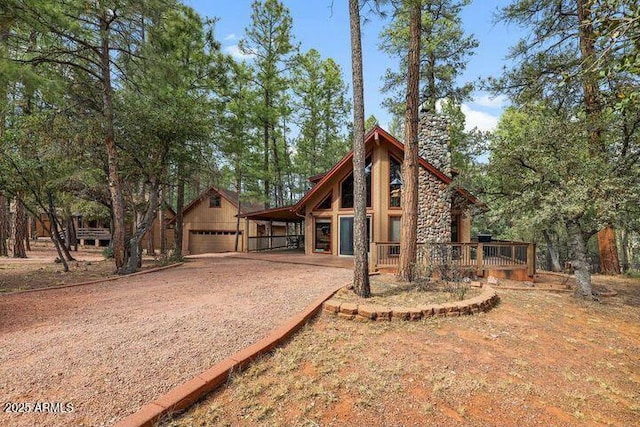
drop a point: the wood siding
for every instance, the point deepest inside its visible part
(203, 218)
(380, 210)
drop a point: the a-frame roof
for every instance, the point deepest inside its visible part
(292, 213)
(376, 134)
(231, 196)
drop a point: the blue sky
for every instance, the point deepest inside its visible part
(324, 25)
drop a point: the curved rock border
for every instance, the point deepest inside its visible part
(369, 312)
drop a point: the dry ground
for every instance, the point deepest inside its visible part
(537, 359)
(40, 271)
(109, 348)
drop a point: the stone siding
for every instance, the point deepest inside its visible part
(434, 142)
(434, 209)
(434, 198)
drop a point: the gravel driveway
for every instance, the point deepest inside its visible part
(109, 348)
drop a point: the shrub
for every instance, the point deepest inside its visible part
(107, 252)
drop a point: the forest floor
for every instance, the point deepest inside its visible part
(539, 358)
(39, 270)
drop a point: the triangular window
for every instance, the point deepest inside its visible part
(325, 205)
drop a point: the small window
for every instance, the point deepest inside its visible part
(325, 205)
(455, 228)
(215, 201)
(322, 235)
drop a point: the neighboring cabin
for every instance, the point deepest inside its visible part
(97, 232)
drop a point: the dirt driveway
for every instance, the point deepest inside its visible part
(102, 351)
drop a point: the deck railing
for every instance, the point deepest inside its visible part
(265, 243)
(89, 233)
(473, 256)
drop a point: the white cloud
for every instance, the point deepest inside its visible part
(231, 36)
(478, 119)
(491, 101)
(235, 51)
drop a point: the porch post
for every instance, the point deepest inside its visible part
(479, 259)
(373, 256)
(270, 234)
(245, 235)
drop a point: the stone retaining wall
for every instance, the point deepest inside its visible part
(350, 311)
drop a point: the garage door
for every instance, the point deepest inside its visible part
(202, 242)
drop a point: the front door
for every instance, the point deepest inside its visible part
(345, 230)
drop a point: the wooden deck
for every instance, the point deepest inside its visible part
(478, 257)
(294, 256)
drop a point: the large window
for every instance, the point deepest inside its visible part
(322, 235)
(395, 182)
(346, 188)
(346, 234)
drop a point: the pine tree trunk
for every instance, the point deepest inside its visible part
(74, 233)
(239, 211)
(115, 188)
(161, 221)
(151, 249)
(4, 205)
(409, 227)
(579, 260)
(177, 235)
(552, 252)
(27, 233)
(278, 171)
(431, 96)
(361, 263)
(609, 263)
(4, 226)
(267, 187)
(608, 249)
(19, 230)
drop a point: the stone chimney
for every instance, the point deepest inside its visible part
(434, 198)
(434, 143)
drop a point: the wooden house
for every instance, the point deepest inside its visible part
(444, 211)
(327, 208)
(209, 224)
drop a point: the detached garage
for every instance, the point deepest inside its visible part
(209, 222)
(205, 241)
